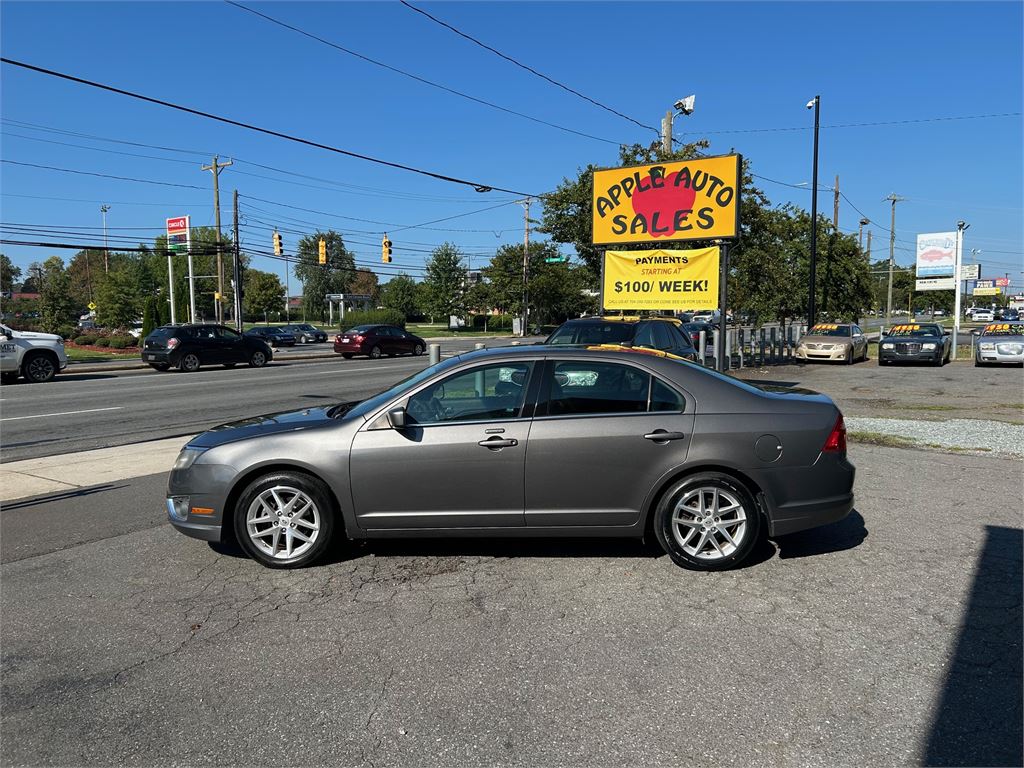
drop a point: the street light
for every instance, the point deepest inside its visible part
(106, 263)
(814, 104)
(685, 107)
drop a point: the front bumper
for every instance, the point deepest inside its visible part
(994, 356)
(924, 356)
(840, 354)
(204, 487)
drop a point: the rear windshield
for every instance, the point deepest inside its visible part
(830, 329)
(361, 329)
(163, 333)
(592, 333)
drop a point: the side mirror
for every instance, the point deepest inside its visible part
(396, 418)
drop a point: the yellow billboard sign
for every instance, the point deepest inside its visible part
(987, 291)
(684, 200)
(661, 279)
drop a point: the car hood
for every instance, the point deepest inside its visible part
(35, 335)
(268, 424)
(815, 339)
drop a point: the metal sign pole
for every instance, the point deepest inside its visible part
(958, 260)
(723, 294)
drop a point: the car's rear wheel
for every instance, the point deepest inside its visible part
(39, 367)
(189, 362)
(417, 350)
(707, 522)
(257, 359)
(285, 520)
(375, 353)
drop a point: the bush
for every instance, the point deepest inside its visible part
(121, 342)
(66, 331)
(373, 316)
(102, 342)
(492, 322)
(85, 340)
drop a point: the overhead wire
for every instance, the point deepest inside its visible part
(101, 175)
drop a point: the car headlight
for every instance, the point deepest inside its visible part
(987, 347)
(187, 458)
(928, 346)
(887, 346)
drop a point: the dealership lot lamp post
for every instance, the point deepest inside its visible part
(960, 227)
(815, 103)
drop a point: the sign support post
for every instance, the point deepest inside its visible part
(959, 283)
(723, 295)
(170, 285)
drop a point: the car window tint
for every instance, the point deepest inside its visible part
(680, 339)
(662, 338)
(203, 333)
(664, 398)
(593, 387)
(592, 333)
(228, 335)
(645, 336)
(488, 393)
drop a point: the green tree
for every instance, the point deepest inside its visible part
(9, 274)
(118, 301)
(150, 317)
(56, 306)
(557, 290)
(320, 279)
(445, 282)
(85, 274)
(365, 282)
(399, 293)
(262, 293)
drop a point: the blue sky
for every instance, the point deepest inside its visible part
(752, 66)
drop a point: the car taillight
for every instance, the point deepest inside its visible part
(836, 442)
(337, 339)
(172, 343)
(360, 337)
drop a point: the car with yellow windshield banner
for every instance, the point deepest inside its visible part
(1000, 343)
(915, 343)
(839, 342)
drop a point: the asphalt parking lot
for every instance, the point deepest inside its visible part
(889, 638)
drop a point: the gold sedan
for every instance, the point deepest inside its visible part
(843, 342)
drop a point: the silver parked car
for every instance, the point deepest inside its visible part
(1000, 343)
(526, 441)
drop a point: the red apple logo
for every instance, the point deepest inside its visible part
(659, 205)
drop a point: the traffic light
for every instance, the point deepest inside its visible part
(323, 251)
(385, 249)
(278, 248)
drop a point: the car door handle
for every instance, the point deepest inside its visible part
(661, 436)
(495, 443)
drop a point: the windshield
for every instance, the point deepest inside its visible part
(1003, 329)
(914, 330)
(375, 402)
(830, 329)
(592, 333)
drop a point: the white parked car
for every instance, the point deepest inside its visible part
(36, 356)
(983, 316)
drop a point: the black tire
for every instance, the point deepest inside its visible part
(688, 490)
(286, 483)
(347, 355)
(375, 353)
(160, 367)
(39, 367)
(257, 359)
(849, 357)
(978, 363)
(189, 362)
(417, 350)
(230, 365)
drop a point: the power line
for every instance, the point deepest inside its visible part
(528, 68)
(862, 125)
(112, 202)
(101, 175)
(419, 79)
(478, 186)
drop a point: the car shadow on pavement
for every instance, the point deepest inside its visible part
(978, 720)
(835, 537)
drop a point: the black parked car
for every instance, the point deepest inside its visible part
(305, 333)
(659, 333)
(188, 347)
(274, 336)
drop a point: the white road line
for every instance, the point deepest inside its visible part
(63, 413)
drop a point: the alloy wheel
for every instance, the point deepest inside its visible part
(709, 523)
(41, 368)
(283, 522)
(190, 362)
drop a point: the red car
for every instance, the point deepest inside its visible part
(375, 341)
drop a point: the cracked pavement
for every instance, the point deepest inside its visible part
(892, 637)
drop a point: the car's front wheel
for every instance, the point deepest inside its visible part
(417, 350)
(707, 522)
(285, 520)
(39, 367)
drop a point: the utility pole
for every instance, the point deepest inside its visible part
(106, 253)
(893, 198)
(868, 251)
(811, 298)
(666, 133)
(835, 205)
(237, 270)
(216, 168)
(526, 264)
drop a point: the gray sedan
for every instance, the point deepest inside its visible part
(1000, 343)
(526, 441)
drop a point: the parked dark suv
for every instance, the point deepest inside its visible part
(188, 347)
(377, 340)
(659, 333)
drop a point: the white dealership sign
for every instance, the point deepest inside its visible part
(936, 254)
(936, 284)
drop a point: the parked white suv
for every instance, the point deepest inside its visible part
(36, 356)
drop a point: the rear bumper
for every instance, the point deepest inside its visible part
(349, 349)
(797, 498)
(800, 517)
(156, 357)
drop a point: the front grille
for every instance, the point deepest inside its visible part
(907, 348)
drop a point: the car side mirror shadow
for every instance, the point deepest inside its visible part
(396, 418)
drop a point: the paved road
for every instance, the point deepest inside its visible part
(890, 638)
(80, 411)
